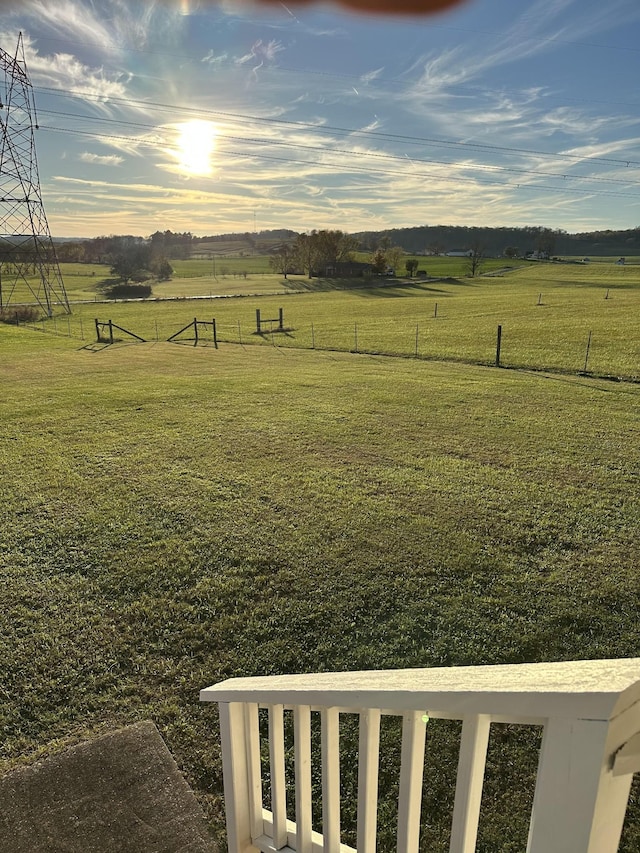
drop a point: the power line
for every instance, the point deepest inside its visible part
(352, 153)
(368, 170)
(391, 137)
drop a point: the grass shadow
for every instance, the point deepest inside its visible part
(97, 346)
(267, 335)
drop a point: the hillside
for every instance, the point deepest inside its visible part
(438, 239)
(417, 240)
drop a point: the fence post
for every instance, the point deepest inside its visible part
(258, 320)
(281, 318)
(110, 332)
(195, 331)
(215, 334)
(498, 346)
(239, 333)
(435, 310)
(313, 337)
(355, 337)
(97, 331)
(416, 340)
(586, 358)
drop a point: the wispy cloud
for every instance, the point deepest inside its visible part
(69, 18)
(343, 137)
(101, 159)
(108, 27)
(623, 148)
(261, 54)
(65, 72)
(370, 76)
(542, 28)
(214, 59)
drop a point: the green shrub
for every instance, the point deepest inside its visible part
(128, 291)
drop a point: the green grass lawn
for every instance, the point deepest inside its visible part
(172, 516)
(221, 267)
(253, 284)
(549, 314)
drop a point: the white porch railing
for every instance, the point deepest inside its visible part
(590, 749)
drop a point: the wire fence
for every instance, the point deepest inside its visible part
(583, 351)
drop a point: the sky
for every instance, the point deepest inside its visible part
(216, 117)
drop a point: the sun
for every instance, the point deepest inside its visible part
(196, 143)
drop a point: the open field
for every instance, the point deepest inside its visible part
(253, 274)
(549, 314)
(174, 515)
(228, 285)
(221, 266)
(80, 282)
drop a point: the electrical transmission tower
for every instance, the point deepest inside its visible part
(29, 268)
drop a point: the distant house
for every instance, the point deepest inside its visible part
(344, 269)
(466, 254)
(537, 256)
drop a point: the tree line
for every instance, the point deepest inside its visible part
(318, 248)
(314, 253)
(506, 241)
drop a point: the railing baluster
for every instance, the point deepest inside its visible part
(330, 780)
(590, 711)
(579, 806)
(278, 782)
(302, 749)
(411, 770)
(471, 764)
(254, 770)
(368, 763)
(234, 765)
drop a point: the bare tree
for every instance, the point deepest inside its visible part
(475, 259)
(378, 262)
(321, 249)
(394, 255)
(282, 261)
(546, 242)
(305, 252)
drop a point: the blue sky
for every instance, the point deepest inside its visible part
(216, 117)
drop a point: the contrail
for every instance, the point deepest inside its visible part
(286, 9)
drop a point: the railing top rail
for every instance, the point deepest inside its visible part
(592, 689)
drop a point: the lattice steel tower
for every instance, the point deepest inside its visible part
(29, 268)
